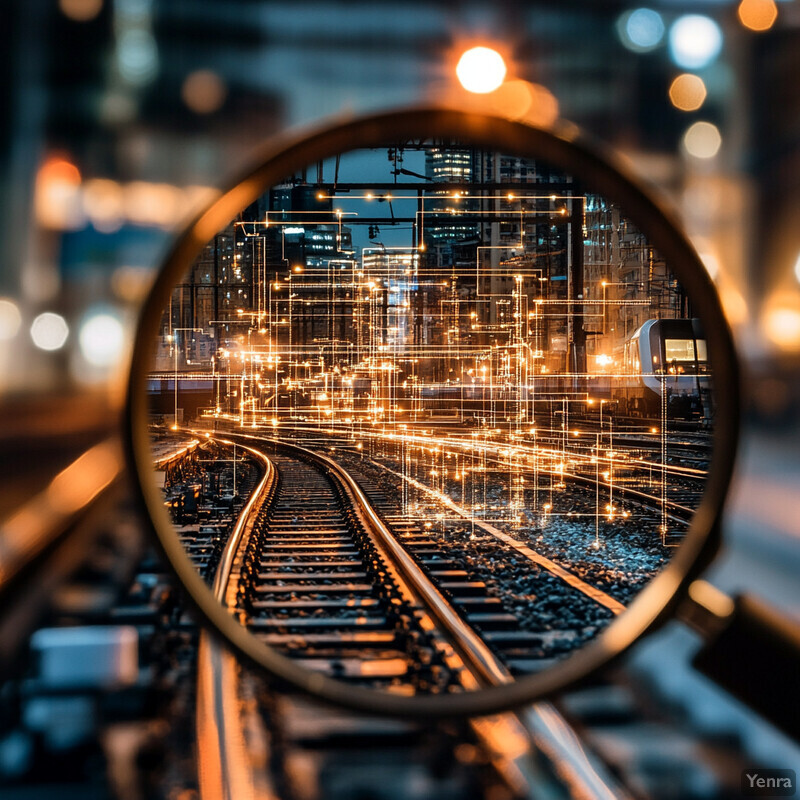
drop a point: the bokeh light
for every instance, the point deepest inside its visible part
(544, 105)
(702, 140)
(152, 203)
(641, 30)
(758, 15)
(782, 327)
(521, 99)
(512, 100)
(734, 304)
(80, 10)
(103, 204)
(49, 331)
(797, 268)
(481, 70)
(57, 195)
(101, 338)
(687, 92)
(694, 41)
(708, 255)
(137, 56)
(10, 319)
(203, 91)
(131, 283)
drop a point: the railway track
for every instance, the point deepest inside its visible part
(313, 569)
(315, 587)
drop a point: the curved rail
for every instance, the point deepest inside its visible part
(224, 768)
(261, 495)
(470, 646)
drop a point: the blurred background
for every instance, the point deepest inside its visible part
(124, 116)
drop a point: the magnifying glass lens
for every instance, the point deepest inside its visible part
(427, 415)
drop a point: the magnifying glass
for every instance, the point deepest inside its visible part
(434, 413)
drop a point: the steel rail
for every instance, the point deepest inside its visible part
(503, 732)
(503, 736)
(46, 539)
(225, 771)
(43, 520)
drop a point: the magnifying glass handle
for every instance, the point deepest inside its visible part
(751, 650)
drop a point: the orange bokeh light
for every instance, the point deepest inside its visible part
(59, 170)
(758, 15)
(687, 92)
(57, 195)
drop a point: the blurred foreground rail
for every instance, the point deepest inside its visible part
(101, 695)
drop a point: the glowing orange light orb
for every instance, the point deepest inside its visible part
(481, 70)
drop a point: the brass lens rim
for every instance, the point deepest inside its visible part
(565, 148)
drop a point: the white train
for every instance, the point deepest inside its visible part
(666, 356)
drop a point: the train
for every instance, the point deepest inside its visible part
(667, 360)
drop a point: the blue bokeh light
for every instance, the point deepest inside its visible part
(641, 29)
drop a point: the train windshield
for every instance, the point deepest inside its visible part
(679, 350)
(683, 355)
